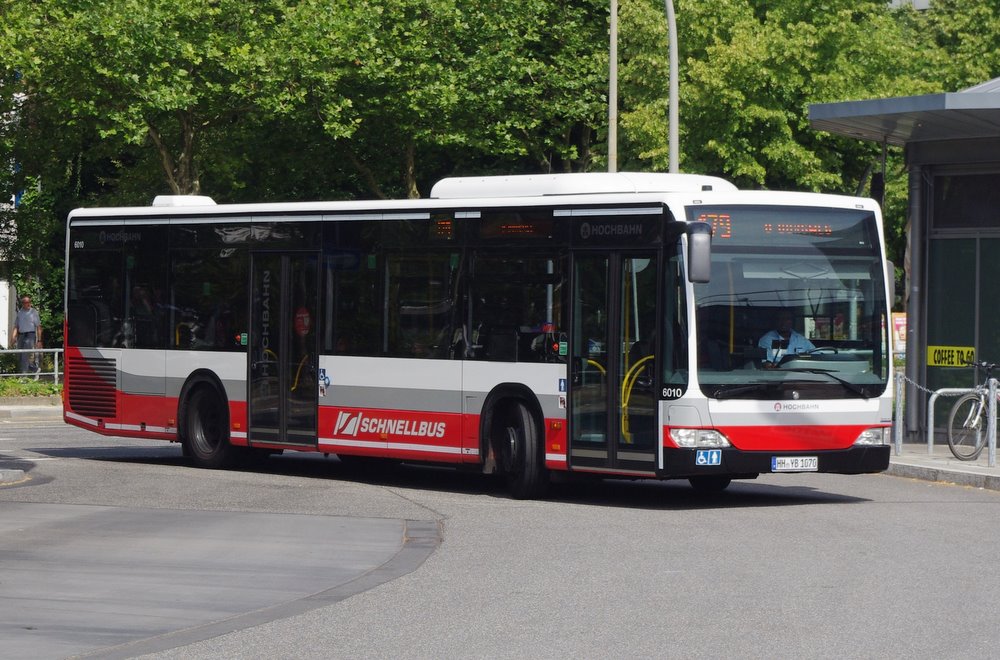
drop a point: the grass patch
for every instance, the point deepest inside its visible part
(28, 387)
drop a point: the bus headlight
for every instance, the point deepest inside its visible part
(698, 438)
(875, 436)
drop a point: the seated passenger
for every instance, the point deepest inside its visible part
(783, 340)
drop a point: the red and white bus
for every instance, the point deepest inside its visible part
(608, 324)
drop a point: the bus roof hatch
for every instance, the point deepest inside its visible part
(183, 200)
(539, 185)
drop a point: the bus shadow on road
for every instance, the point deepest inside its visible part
(566, 488)
(679, 495)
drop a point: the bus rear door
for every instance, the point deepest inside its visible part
(283, 360)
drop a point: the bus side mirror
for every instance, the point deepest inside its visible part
(699, 252)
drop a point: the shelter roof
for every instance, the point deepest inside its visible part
(972, 113)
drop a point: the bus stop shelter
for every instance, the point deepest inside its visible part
(951, 143)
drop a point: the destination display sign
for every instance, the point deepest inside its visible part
(787, 226)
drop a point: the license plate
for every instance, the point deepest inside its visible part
(794, 463)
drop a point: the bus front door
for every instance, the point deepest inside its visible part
(283, 366)
(613, 366)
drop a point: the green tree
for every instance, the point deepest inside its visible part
(960, 37)
(750, 78)
(415, 86)
(146, 73)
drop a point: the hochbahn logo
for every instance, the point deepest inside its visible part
(614, 230)
(351, 424)
(795, 407)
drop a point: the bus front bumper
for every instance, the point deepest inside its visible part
(685, 463)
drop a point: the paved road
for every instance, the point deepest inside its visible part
(816, 566)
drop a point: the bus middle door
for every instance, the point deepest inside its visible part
(612, 390)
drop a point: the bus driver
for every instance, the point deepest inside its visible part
(783, 340)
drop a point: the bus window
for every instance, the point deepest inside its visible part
(208, 305)
(675, 360)
(516, 309)
(94, 299)
(420, 305)
(145, 288)
(352, 305)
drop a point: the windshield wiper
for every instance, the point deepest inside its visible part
(723, 393)
(857, 389)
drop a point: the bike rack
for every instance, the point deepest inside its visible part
(991, 419)
(991, 426)
(947, 391)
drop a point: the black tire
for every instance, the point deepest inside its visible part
(710, 484)
(517, 445)
(967, 428)
(204, 428)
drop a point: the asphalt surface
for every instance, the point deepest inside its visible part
(89, 577)
(915, 460)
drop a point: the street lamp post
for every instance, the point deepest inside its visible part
(672, 109)
(613, 91)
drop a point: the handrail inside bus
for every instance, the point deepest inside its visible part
(627, 384)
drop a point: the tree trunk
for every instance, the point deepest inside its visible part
(366, 174)
(181, 173)
(411, 170)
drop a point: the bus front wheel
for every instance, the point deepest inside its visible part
(204, 428)
(710, 484)
(517, 445)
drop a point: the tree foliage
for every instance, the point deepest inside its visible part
(113, 101)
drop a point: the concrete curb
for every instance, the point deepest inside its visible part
(30, 413)
(30, 409)
(31, 401)
(971, 478)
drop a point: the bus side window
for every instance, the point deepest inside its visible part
(516, 309)
(95, 298)
(206, 307)
(420, 305)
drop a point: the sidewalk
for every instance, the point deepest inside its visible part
(941, 465)
(914, 461)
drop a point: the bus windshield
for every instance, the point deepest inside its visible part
(796, 304)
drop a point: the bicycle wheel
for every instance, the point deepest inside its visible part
(967, 427)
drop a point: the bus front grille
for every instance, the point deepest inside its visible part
(91, 385)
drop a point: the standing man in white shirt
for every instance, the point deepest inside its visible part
(27, 333)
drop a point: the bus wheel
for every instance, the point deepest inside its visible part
(205, 429)
(517, 444)
(712, 484)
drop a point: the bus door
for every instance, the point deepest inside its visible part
(283, 356)
(613, 366)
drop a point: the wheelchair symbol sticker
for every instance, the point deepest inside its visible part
(705, 457)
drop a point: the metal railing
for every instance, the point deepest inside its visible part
(54, 373)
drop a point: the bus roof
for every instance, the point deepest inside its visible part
(581, 183)
(542, 190)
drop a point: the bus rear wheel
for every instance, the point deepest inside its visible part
(517, 445)
(204, 428)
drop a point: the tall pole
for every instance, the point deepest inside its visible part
(672, 112)
(613, 91)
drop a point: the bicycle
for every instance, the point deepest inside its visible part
(968, 418)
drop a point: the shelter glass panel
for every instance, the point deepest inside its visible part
(951, 286)
(966, 201)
